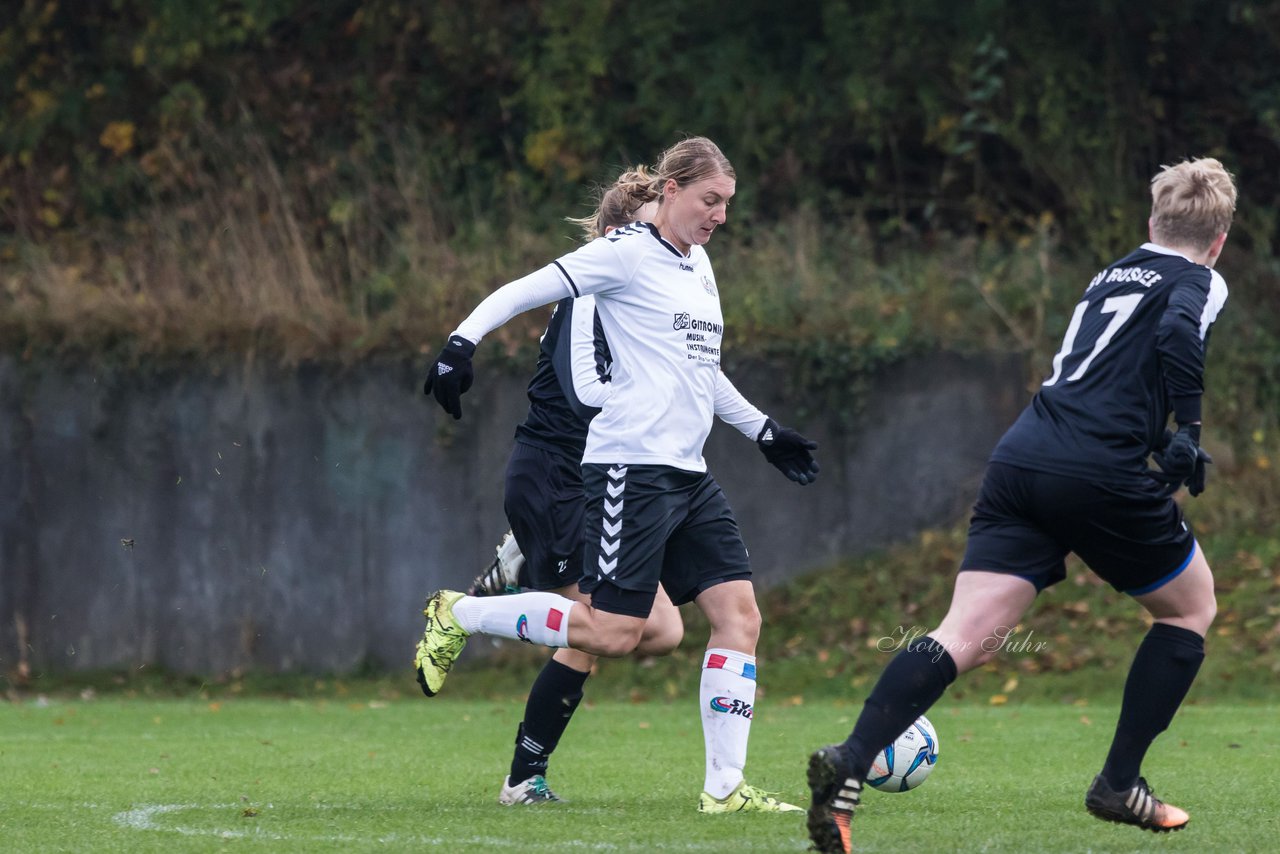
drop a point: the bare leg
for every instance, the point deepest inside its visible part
(985, 607)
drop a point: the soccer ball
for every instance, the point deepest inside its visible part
(907, 762)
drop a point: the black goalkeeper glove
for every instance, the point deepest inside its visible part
(788, 451)
(451, 375)
(1182, 460)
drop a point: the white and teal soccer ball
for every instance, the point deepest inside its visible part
(908, 761)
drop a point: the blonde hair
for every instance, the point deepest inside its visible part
(1192, 203)
(691, 160)
(687, 161)
(619, 202)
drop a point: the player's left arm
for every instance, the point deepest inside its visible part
(733, 408)
(1181, 339)
(787, 450)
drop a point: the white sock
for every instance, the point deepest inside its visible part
(728, 695)
(541, 618)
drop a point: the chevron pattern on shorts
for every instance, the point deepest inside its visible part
(611, 523)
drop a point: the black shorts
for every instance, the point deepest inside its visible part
(655, 524)
(1026, 522)
(545, 506)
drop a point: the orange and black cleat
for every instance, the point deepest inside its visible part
(835, 796)
(1137, 805)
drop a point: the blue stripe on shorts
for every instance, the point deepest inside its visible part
(1161, 582)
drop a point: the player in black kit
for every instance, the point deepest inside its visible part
(1071, 475)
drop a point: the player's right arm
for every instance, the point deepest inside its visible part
(451, 374)
(536, 289)
(595, 268)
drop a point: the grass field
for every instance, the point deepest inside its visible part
(365, 774)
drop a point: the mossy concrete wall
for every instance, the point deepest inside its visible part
(207, 519)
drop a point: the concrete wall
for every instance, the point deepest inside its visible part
(207, 519)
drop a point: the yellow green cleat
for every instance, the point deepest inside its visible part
(745, 798)
(442, 641)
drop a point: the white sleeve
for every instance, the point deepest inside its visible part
(538, 288)
(733, 408)
(602, 266)
(582, 355)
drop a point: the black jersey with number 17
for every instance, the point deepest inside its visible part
(1133, 354)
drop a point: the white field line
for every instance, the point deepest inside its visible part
(144, 818)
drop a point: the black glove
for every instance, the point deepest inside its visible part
(1182, 460)
(451, 375)
(788, 451)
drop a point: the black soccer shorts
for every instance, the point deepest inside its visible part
(1026, 522)
(651, 524)
(546, 506)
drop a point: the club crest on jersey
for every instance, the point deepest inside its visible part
(731, 707)
(708, 285)
(683, 320)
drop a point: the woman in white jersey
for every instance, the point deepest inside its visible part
(546, 506)
(654, 513)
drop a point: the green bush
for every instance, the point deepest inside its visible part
(915, 115)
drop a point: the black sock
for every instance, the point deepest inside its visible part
(552, 700)
(912, 682)
(1161, 674)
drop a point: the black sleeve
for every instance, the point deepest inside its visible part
(562, 356)
(604, 357)
(1181, 348)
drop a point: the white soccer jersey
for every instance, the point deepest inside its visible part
(660, 312)
(661, 316)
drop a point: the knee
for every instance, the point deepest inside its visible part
(662, 637)
(733, 614)
(747, 624)
(748, 629)
(1206, 612)
(751, 624)
(616, 644)
(1194, 614)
